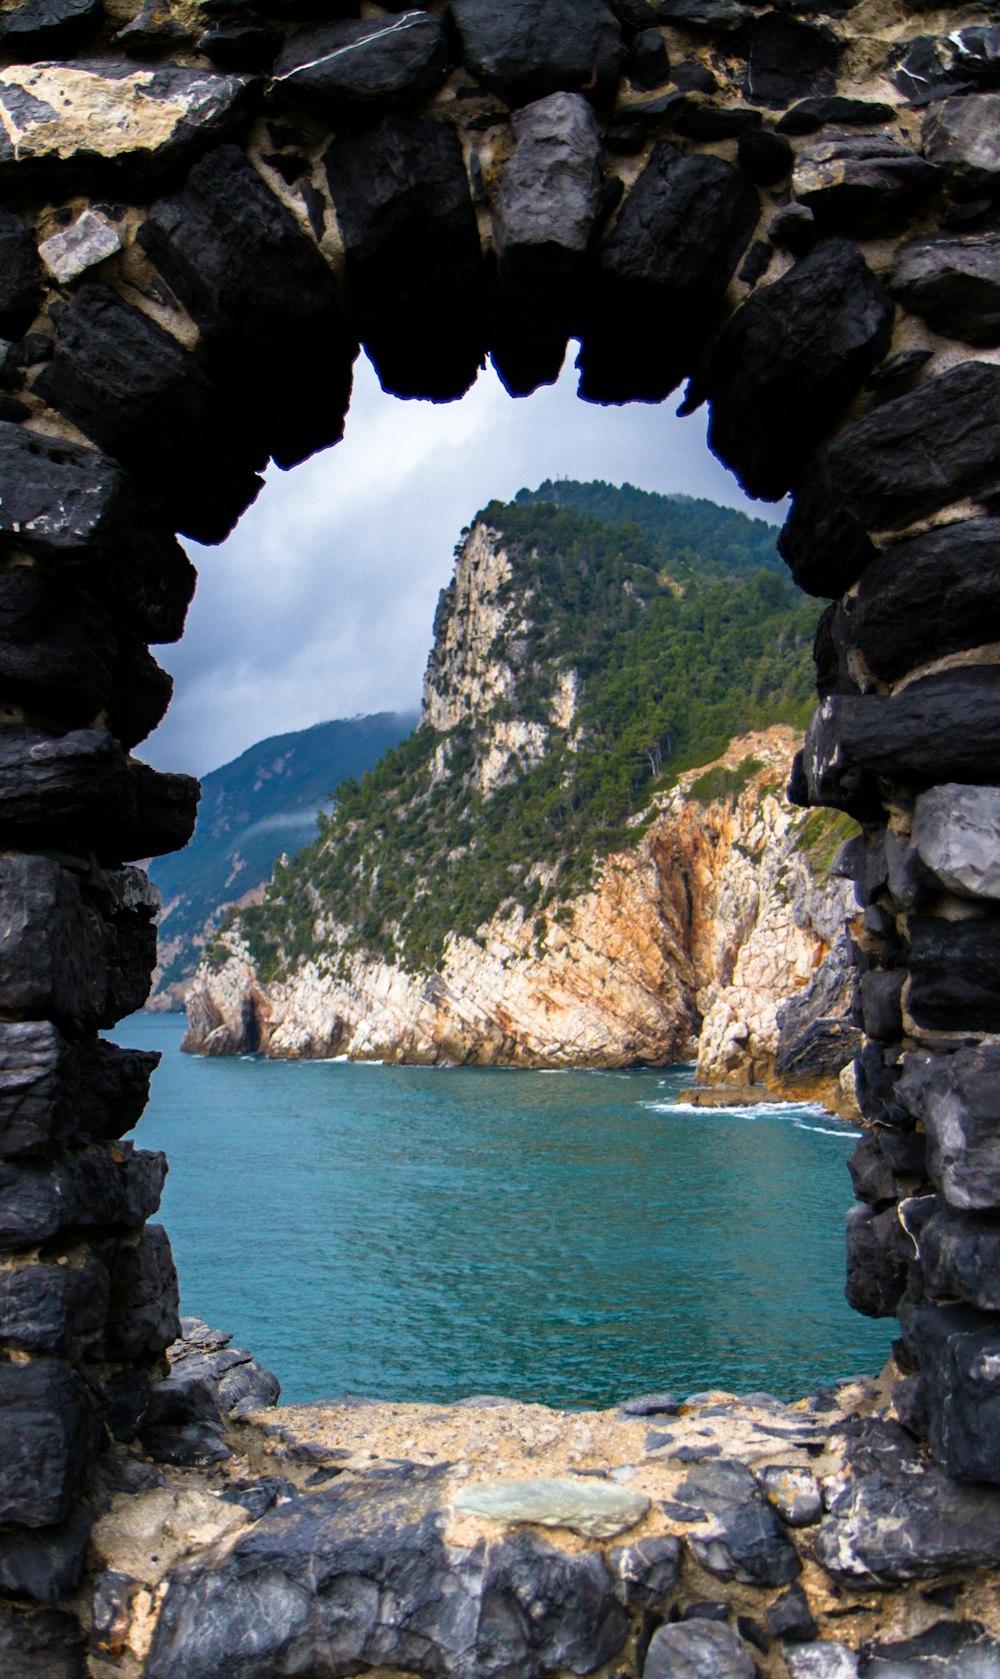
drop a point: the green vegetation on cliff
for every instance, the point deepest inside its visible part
(674, 649)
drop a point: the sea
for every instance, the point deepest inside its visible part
(567, 1237)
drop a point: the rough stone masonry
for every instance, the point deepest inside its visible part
(207, 204)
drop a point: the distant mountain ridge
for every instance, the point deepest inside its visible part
(260, 805)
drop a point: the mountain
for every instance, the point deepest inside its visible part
(263, 803)
(530, 876)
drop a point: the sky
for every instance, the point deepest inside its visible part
(321, 602)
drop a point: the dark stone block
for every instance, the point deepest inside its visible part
(767, 158)
(791, 1618)
(525, 49)
(871, 1174)
(957, 1097)
(20, 275)
(960, 1257)
(359, 1546)
(716, 122)
(825, 548)
(881, 1005)
(45, 29)
(953, 282)
(53, 1090)
(79, 792)
(82, 1192)
(934, 594)
(412, 256)
(954, 974)
(257, 287)
(790, 359)
(885, 1528)
(831, 649)
(48, 1441)
(898, 369)
(748, 1543)
(364, 61)
(58, 1309)
(125, 1399)
(648, 63)
(879, 466)
(876, 1274)
(145, 1303)
(664, 270)
(76, 510)
(944, 727)
(959, 1353)
(960, 135)
(697, 1647)
(192, 1445)
(46, 1644)
(960, 1648)
(132, 388)
(53, 946)
(249, 45)
(810, 115)
(45, 1563)
(861, 183)
(140, 693)
(57, 648)
(546, 208)
(790, 59)
(646, 1571)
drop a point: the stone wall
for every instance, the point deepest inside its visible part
(207, 206)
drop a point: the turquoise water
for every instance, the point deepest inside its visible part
(569, 1237)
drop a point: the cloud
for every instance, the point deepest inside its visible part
(320, 604)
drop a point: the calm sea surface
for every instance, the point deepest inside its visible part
(569, 1237)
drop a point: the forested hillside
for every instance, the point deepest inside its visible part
(612, 653)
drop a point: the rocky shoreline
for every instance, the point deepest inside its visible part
(690, 947)
(728, 1537)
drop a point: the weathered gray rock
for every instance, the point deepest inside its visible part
(599, 1509)
(134, 124)
(794, 1493)
(960, 1257)
(57, 1309)
(950, 721)
(954, 969)
(413, 260)
(747, 1541)
(953, 282)
(881, 993)
(209, 1378)
(144, 1315)
(45, 1563)
(45, 29)
(788, 361)
(883, 1529)
(790, 1617)
(880, 464)
(88, 241)
(46, 1644)
(48, 1438)
(79, 792)
(81, 1192)
(364, 61)
(959, 1355)
(962, 136)
(360, 1575)
(824, 1659)
(42, 974)
(931, 595)
(549, 196)
(860, 182)
(955, 831)
(54, 1090)
(131, 387)
(646, 1571)
(876, 1270)
(528, 48)
(257, 288)
(815, 1035)
(663, 274)
(958, 1649)
(75, 509)
(697, 1650)
(957, 1098)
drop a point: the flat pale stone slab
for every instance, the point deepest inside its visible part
(597, 1509)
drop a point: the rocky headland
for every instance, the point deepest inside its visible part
(710, 929)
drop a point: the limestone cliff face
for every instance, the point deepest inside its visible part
(688, 945)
